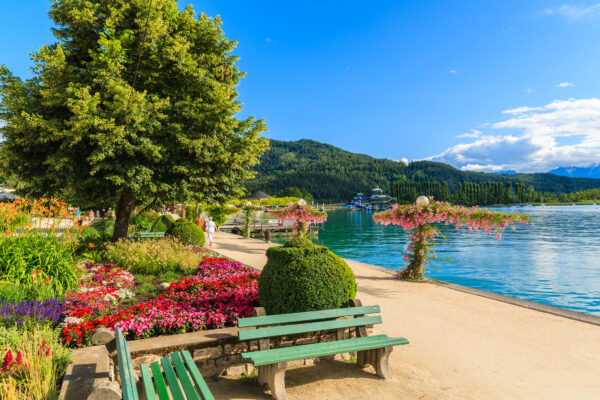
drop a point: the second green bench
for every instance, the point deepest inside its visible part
(146, 235)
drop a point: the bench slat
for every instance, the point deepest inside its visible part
(306, 316)
(171, 379)
(159, 381)
(322, 345)
(197, 377)
(263, 333)
(186, 382)
(148, 385)
(131, 371)
(125, 371)
(319, 350)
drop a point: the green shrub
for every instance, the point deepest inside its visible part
(187, 233)
(104, 227)
(143, 221)
(299, 242)
(20, 256)
(190, 213)
(162, 224)
(95, 235)
(152, 256)
(304, 277)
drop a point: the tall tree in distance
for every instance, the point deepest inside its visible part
(135, 103)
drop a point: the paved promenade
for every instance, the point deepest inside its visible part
(462, 346)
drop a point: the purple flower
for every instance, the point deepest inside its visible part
(24, 312)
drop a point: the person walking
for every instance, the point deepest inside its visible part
(211, 227)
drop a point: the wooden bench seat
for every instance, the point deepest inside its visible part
(272, 362)
(176, 373)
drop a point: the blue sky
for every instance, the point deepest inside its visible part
(482, 85)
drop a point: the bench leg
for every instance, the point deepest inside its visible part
(378, 358)
(274, 376)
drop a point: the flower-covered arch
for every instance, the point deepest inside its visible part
(420, 220)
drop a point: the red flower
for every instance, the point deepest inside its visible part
(8, 361)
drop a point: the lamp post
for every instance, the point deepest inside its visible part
(422, 200)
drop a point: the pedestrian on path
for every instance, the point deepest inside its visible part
(211, 227)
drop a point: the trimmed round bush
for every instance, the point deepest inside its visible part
(299, 242)
(301, 276)
(162, 224)
(187, 232)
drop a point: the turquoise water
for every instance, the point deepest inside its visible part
(555, 262)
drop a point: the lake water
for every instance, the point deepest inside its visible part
(555, 262)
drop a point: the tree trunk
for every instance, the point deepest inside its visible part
(125, 206)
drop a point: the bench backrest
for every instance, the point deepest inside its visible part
(303, 322)
(151, 234)
(126, 372)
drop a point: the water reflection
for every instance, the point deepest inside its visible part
(554, 262)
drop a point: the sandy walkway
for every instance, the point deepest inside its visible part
(462, 346)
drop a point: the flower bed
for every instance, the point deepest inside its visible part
(215, 297)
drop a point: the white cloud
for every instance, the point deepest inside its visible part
(534, 139)
(529, 91)
(565, 84)
(453, 71)
(473, 134)
(268, 39)
(573, 12)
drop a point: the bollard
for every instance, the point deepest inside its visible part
(267, 235)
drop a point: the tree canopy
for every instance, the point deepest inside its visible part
(131, 105)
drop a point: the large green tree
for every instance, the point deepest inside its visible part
(134, 104)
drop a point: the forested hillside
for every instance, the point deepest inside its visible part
(331, 174)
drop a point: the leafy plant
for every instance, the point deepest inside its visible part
(151, 256)
(21, 257)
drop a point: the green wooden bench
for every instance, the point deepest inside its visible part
(183, 379)
(146, 235)
(272, 363)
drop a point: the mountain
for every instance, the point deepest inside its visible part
(578, 172)
(331, 174)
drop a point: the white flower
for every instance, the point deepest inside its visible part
(302, 202)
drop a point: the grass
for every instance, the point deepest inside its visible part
(152, 256)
